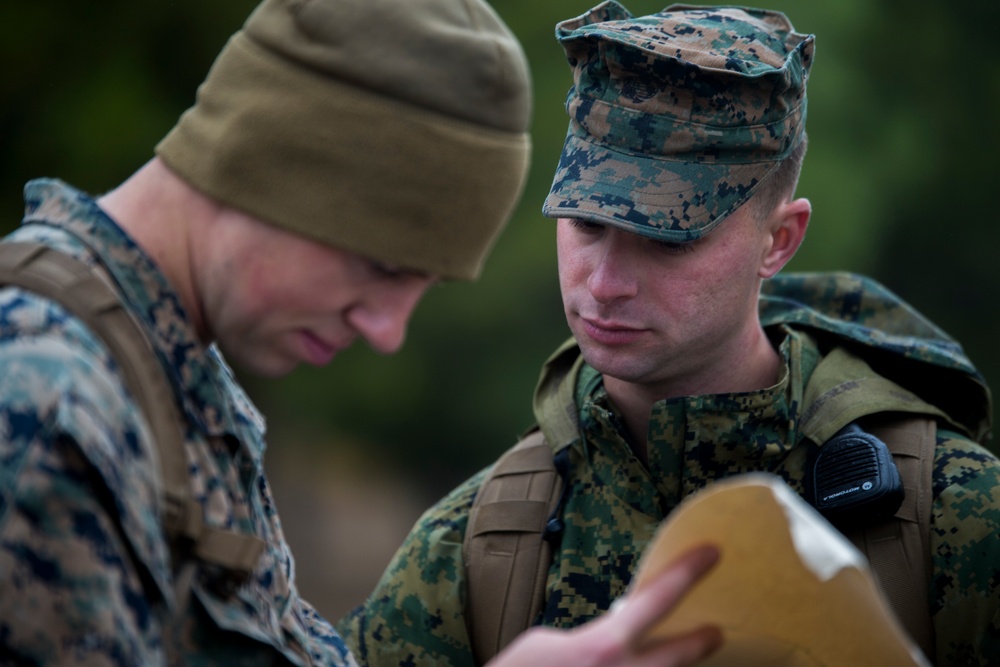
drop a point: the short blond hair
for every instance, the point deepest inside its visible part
(779, 186)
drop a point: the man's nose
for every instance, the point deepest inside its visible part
(613, 274)
(383, 318)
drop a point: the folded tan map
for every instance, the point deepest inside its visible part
(788, 591)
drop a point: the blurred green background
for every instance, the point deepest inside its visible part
(900, 171)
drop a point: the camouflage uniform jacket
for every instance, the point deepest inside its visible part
(85, 571)
(416, 614)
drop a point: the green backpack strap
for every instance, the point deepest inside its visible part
(79, 289)
(506, 554)
(898, 549)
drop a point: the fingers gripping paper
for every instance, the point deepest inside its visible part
(788, 590)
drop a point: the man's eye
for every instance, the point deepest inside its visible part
(400, 274)
(674, 248)
(585, 225)
(386, 269)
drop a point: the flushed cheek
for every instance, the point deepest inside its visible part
(573, 282)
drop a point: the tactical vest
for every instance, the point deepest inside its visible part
(508, 542)
(231, 556)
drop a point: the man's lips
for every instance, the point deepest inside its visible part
(610, 333)
(317, 351)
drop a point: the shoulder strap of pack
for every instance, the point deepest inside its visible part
(899, 548)
(506, 552)
(87, 296)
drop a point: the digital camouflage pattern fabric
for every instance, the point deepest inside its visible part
(615, 503)
(890, 330)
(85, 570)
(667, 136)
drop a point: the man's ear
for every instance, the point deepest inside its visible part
(787, 226)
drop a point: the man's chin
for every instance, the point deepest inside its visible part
(617, 365)
(607, 362)
(261, 366)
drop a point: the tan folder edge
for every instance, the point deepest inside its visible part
(788, 591)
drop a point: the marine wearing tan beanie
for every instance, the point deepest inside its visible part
(396, 129)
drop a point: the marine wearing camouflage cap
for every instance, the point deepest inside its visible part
(676, 120)
(666, 137)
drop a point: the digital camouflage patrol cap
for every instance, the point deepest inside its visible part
(396, 130)
(676, 117)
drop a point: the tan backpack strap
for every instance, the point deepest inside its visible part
(81, 291)
(899, 548)
(506, 554)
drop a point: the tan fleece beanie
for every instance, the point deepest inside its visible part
(396, 129)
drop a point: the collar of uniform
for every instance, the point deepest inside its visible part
(60, 215)
(694, 440)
